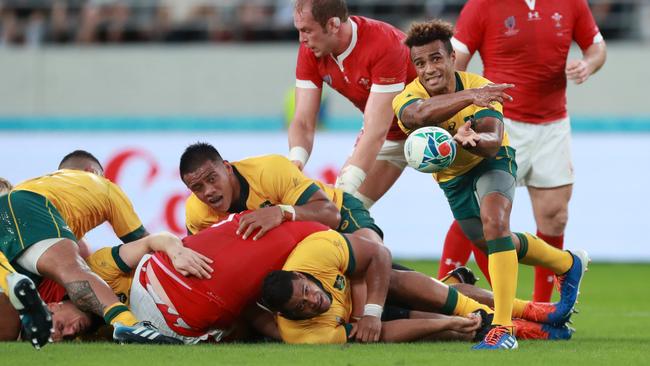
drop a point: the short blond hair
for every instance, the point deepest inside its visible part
(5, 186)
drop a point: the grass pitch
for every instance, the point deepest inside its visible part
(613, 328)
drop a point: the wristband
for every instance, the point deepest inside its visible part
(299, 153)
(373, 310)
(350, 179)
(288, 212)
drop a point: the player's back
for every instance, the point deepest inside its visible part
(85, 200)
(239, 269)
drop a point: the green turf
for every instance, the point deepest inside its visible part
(613, 329)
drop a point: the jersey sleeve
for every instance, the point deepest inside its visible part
(198, 215)
(403, 100)
(307, 76)
(311, 332)
(108, 265)
(585, 30)
(122, 216)
(285, 182)
(388, 73)
(470, 28)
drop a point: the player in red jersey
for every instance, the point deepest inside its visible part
(193, 308)
(527, 45)
(366, 61)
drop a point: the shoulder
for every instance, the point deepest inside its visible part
(472, 80)
(261, 161)
(378, 35)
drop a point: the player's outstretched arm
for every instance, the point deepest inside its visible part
(185, 260)
(303, 125)
(440, 108)
(318, 208)
(489, 132)
(373, 263)
(409, 330)
(377, 118)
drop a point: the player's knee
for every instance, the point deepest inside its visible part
(555, 219)
(495, 226)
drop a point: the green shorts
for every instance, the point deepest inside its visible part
(355, 216)
(26, 218)
(461, 191)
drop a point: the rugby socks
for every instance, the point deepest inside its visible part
(455, 251)
(459, 304)
(535, 251)
(5, 270)
(119, 313)
(482, 262)
(544, 278)
(503, 268)
(518, 307)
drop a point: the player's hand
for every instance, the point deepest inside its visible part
(578, 71)
(468, 324)
(367, 329)
(190, 263)
(466, 136)
(486, 95)
(260, 221)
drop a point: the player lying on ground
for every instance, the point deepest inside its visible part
(46, 216)
(192, 309)
(313, 297)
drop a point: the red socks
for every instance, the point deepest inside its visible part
(544, 278)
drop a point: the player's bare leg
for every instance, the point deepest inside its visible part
(380, 178)
(62, 263)
(551, 208)
(9, 320)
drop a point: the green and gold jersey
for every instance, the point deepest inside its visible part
(328, 257)
(108, 265)
(464, 160)
(265, 180)
(86, 200)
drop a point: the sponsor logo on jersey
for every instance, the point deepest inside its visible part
(364, 83)
(557, 17)
(510, 24)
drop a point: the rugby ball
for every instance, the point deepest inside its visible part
(430, 149)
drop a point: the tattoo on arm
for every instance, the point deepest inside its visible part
(84, 297)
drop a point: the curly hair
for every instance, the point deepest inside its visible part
(422, 33)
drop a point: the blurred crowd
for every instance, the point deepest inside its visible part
(43, 22)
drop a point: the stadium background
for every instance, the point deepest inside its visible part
(134, 82)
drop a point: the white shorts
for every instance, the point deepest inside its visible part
(142, 302)
(393, 152)
(543, 152)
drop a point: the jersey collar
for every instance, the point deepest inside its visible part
(353, 42)
(240, 204)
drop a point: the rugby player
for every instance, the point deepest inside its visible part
(313, 298)
(366, 61)
(44, 219)
(479, 185)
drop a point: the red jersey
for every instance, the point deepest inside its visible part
(526, 43)
(51, 291)
(239, 269)
(377, 60)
